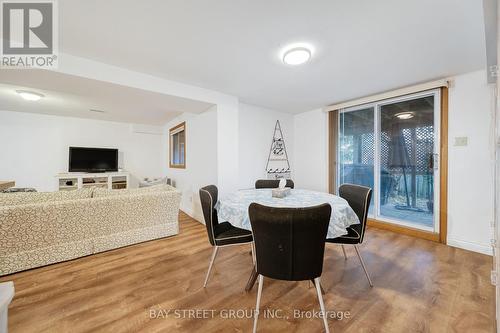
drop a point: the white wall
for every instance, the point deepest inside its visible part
(213, 147)
(256, 128)
(471, 168)
(227, 148)
(201, 158)
(34, 148)
(243, 159)
(311, 150)
(227, 106)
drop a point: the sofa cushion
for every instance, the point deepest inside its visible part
(23, 198)
(101, 192)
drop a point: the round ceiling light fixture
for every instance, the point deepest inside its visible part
(29, 95)
(405, 115)
(297, 56)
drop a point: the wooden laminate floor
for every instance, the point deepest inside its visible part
(420, 286)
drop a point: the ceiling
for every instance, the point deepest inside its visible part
(73, 96)
(361, 47)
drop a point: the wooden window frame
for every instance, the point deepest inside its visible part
(170, 150)
(333, 118)
(333, 126)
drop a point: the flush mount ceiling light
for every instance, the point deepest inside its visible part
(404, 115)
(296, 55)
(29, 95)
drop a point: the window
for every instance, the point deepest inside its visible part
(178, 146)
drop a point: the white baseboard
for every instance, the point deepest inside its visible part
(197, 218)
(189, 211)
(471, 246)
(186, 209)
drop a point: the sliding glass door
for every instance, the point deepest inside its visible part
(357, 148)
(392, 146)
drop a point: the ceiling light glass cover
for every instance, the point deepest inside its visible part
(297, 56)
(405, 115)
(29, 95)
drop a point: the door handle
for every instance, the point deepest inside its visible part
(435, 161)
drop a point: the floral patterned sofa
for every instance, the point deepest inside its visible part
(38, 229)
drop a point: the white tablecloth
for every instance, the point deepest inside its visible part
(234, 207)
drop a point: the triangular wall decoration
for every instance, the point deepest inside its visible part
(278, 166)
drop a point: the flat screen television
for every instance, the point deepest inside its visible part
(83, 159)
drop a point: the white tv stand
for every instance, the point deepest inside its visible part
(68, 181)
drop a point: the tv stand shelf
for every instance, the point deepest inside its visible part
(68, 181)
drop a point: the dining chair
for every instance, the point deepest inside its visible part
(220, 234)
(289, 245)
(272, 183)
(358, 197)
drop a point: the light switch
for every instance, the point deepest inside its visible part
(461, 141)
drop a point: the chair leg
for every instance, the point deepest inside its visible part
(257, 306)
(254, 257)
(321, 303)
(253, 253)
(320, 286)
(343, 250)
(363, 265)
(214, 253)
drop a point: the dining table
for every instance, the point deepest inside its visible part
(233, 207)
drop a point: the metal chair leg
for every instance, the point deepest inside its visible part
(363, 265)
(214, 253)
(257, 306)
(254, 257)
(321, 303)
(320, 286)
(343, 250)
(253, 253)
